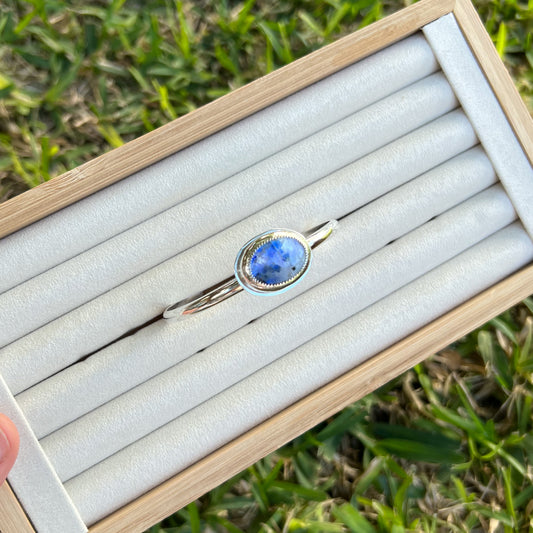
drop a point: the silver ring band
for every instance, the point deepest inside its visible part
(270, 263)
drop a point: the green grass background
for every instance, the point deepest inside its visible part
(447, 446)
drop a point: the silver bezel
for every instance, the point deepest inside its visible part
(242, 263)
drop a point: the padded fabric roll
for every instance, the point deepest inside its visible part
(148, 192)
(112, 483)
(77, 281)
(102, 320)
(104, 431)
(134, 359)
(482, 106)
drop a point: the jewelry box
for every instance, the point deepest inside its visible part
(409, 132)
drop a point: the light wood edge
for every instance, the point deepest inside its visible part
(496, 74)
(13, 519)
(267, 437)
(121, 162)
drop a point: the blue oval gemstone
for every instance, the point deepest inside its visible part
(278, 260)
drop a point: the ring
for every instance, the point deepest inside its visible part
(270, 263)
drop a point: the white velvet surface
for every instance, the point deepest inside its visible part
(34, 480)
(132, 360)
(482, 107)
(104, 431)
(65, 340)
(178, 177)
(149, 461)
(52, 294)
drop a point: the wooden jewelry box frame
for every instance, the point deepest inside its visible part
(268, 436)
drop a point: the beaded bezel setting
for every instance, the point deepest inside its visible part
(243, 263)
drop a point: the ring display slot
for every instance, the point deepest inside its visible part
(121, 366)
(112, 483)
(101, 321)
(104, 431)
(146, 193)
(54, 293)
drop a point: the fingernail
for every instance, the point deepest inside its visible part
(5, 446)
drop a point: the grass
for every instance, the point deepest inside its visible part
(79, 78)
(448, 446)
